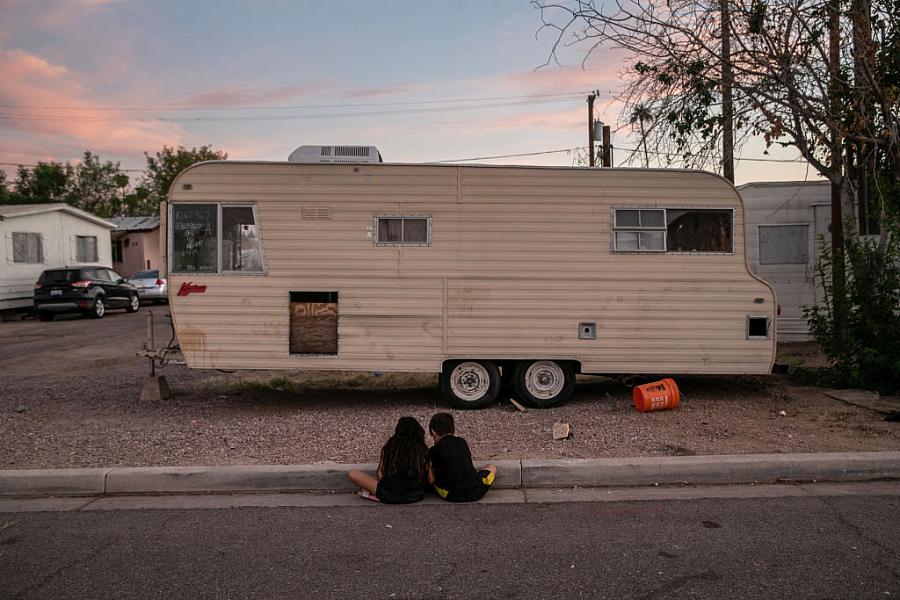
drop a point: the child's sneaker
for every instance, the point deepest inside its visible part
(368, 495)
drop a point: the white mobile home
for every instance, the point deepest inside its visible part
(464, 270)
(42, 236)
(784, 219)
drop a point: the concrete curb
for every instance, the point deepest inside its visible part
(528, 473)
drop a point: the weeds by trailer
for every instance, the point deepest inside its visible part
(471, 271)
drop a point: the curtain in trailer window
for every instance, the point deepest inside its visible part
(27, 248)
(699, 230)
(86, 249)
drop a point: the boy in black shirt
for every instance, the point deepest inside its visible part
(455, 477)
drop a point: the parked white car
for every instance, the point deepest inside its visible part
(150, 286)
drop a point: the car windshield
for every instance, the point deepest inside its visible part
(61, 276)
(146, 275)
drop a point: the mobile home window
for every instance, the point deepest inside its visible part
(783, 244)
(215, 238)
(117, 250)
(240, 240)
(194, 238)
(403, 231)
(639, 230)
(86, 248)
(699, 230)
(27, 248)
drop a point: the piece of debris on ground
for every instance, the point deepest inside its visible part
(561, 431)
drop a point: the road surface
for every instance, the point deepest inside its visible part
(841, 544)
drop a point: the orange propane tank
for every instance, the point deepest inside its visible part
(659, 395)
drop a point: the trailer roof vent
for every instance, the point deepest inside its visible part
(335, 154)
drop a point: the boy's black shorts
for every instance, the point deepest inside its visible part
(468, 494)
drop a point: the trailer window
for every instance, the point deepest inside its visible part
(27, 247)
(402, 231)
(699, 230)
(215, 238)
(783, 244)
(86, 248)
(195, 238)
(240, 240)
(639, 230)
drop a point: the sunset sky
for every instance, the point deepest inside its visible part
(422, 80)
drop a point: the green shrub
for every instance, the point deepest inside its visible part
(870, 356)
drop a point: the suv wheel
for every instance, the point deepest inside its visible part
(99, 308)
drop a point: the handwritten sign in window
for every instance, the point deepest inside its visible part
(194, 238)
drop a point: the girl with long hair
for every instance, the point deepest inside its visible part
(404, 469)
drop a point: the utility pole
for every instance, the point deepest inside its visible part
(607, 147)
(727, 104)
(590, 101)
(835, 91)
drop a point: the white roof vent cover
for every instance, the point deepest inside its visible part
(335, 154)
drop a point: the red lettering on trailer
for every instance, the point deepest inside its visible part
(188, 287)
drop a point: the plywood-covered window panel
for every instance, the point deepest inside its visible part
(313, 323)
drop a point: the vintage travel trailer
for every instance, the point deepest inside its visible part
(474, 272)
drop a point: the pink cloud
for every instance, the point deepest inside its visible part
(387, 90)
(568, 120)
(62, 12)
(31, 81)
(245, 95)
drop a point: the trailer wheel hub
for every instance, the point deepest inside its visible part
(470, 381)
(545, 379)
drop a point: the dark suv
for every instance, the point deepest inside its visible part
(89, 290)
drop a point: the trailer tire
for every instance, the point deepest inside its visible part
(470, 384)
(544, 383)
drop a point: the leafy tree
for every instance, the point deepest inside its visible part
(163, 167)
(99, 187)
(46, 183)
(4, 188)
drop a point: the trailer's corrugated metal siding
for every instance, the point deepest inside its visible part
(519, 256)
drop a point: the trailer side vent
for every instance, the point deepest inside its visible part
(757, 328)
(312, 212)
(314, 323)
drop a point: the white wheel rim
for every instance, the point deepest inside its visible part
(545, 379)
(470, 381)
(99, 309)
(135, 303)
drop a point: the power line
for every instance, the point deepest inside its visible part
(518, 155)
(747, 159)
(176, 108)
(455, 160)
(334, 115)
(33, 165)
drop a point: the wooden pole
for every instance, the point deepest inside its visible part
(590, 101)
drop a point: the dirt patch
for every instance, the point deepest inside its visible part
(70, 399)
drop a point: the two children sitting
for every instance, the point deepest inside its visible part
(407, 467)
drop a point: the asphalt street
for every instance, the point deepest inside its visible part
(825, 546)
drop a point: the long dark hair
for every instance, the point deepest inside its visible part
(405, 454)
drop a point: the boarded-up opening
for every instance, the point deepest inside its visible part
(314, 323)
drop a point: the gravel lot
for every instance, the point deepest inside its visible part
(70, 399)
